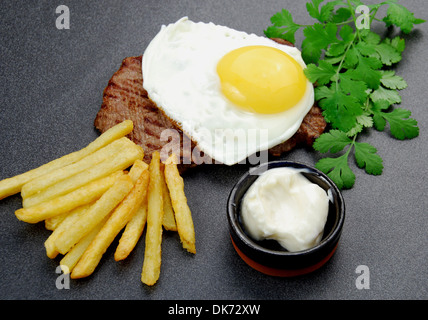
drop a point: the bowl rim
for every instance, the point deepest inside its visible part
(233, 210)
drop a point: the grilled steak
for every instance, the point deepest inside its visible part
(125, 98)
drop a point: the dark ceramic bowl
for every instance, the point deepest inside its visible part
(268, 256)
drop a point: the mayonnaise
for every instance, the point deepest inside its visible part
(285, 206)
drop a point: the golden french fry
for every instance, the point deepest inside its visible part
(137, 170)
(84, 195)
(69, 261)
(183, 216)
(120, 162)
(54, 222)
(68, 221)
(14, 184)
(107, 152)
(168, 211)
(96, 213)
(132, 233)
(152, 254)
(117, 221)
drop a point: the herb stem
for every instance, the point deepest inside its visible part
(367, 104)
(344, 22)
(339, 68)
(374, 15)
(351, 145)
(351, 8)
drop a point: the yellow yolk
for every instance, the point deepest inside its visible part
(261, 79)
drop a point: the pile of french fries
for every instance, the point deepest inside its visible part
(89, 196)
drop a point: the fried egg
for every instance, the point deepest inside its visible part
(233, 93)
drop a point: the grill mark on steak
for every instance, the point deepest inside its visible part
(125, 98)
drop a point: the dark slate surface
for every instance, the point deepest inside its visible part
(51, 89)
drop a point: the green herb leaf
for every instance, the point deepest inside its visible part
(337, 170)
(401, 125)
(341, 15)
(340, 109)
(398, 43)
(381, 93)
(377, 110)
(321, 74)
(318, 38)
(391, 81)
(283, 26)
(355, 88)
(366, 157)
(401, 17)
(367, 71)
(325, 13)
(347, 33)
(333, 141)
(313, 9)
(388, 54)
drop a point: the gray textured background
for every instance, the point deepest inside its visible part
(51, 89)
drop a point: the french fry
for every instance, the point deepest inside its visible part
(152, 254)
(132, 233)
(183, 216)
(120, 162)
(84, 195)
(68, 221)
(54, 222)
(137, 170)
(117, 221)
(168, 212)
(108, 152)
(101, 208)
(69, 261)
(14, 184)
(134, 228)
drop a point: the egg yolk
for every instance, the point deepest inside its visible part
(261, 79)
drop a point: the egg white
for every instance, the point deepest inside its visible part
(179, 72)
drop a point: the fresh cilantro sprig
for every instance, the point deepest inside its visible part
(354, 83)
